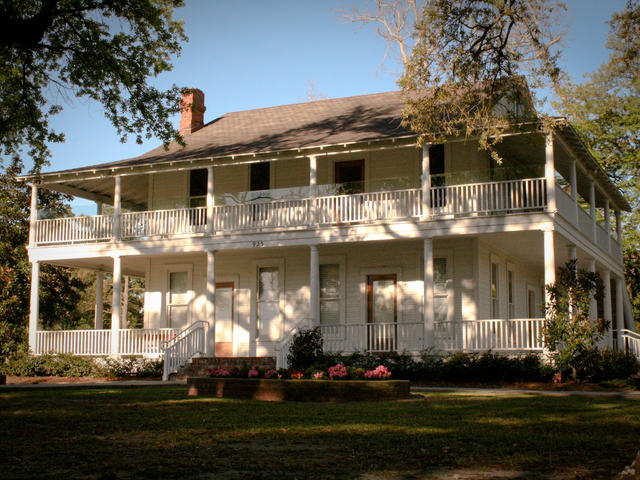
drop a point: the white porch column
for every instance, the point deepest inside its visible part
(210, 342)
(427, 307)
(34, 306)
(574, 188)
(313, 190)
(314, 285)
(210, 199)
(549, 261)
(116, 306)
(608, 316)
(99, 311)
(607, 224)
(592, 207)
(619, 311)
(117, 206)
(593, 304)
(33, 215)
(619, 233)
(550, 174)
(426, 183)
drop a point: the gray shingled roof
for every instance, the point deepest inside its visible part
(324, 122)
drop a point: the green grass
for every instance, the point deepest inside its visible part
(154, 433)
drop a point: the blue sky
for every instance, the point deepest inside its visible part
(251, 54)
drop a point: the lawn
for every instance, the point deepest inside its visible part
(156, 433)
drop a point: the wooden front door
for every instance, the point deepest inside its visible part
(382, 312)
(224, 319)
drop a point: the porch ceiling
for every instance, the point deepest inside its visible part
(133, 266)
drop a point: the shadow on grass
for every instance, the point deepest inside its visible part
(153, 433)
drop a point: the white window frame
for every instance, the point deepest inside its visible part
(266, 263)
(340, 261)
(176, 268)
(364, 273)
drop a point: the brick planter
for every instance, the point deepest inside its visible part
(299, 390)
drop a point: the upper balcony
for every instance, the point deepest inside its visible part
(286, 209)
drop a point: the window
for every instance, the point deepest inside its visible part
(494, 290)
(198, 188)
(269, 319)
(510, 294)
(349, 176)
(440, 290)
(330, 288)
(260, 176)
(179, 294)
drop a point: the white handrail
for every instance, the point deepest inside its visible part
(373, 337)
(522, 334)
(283, 346)
(181, 348)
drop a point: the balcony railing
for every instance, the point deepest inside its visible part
(522, 334)
(397, 205)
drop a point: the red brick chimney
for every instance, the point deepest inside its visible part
(193, 108)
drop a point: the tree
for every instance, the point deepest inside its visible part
(60, 288)
(568, 331)
(467, 71)
(605, 109)
(104, 50)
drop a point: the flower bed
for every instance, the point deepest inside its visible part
(299, 390)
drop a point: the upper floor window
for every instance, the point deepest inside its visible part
(198, 188)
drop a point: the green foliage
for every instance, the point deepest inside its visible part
(305, 350)
(97, 49)
(466, 75)
(568, 331)
(603, 365)
(131, 367)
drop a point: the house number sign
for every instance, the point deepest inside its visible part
(258, 243)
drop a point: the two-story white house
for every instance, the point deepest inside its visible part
(327, 213)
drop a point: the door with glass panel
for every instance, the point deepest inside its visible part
(269, 318)
(382, 312)
(178, 299)
(446, 331)
(224, 319)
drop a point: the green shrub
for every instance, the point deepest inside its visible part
(305, 350)
(60, 365)
(132, 367)
(603, 365)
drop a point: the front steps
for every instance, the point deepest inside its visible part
(200, 366)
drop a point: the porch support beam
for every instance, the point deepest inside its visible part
(592, 207)
(116, 306)
(99, 311)
(426, 183)
(33, 215)
(608, 315)
(619, 232)
(427, 308)
(210, 336)
(313, 189)
(574, 188)
(593, 304)
(619, 311)
(210, 199)
(549, 261)
(34, 305)
(314, 285)
(550, 174)
(117, 206)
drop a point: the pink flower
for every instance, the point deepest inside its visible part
(253, 373)
(338, 371)
(270, 374)
(219, 372)
(296, 375)
(318, 375)
(380, 373)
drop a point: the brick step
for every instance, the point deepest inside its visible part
(200, 366)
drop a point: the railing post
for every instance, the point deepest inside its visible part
(115, 306)
(210, 200)
(117, 205)
(426, 183)
(34, 309)
(550, 173)
(33, 215)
